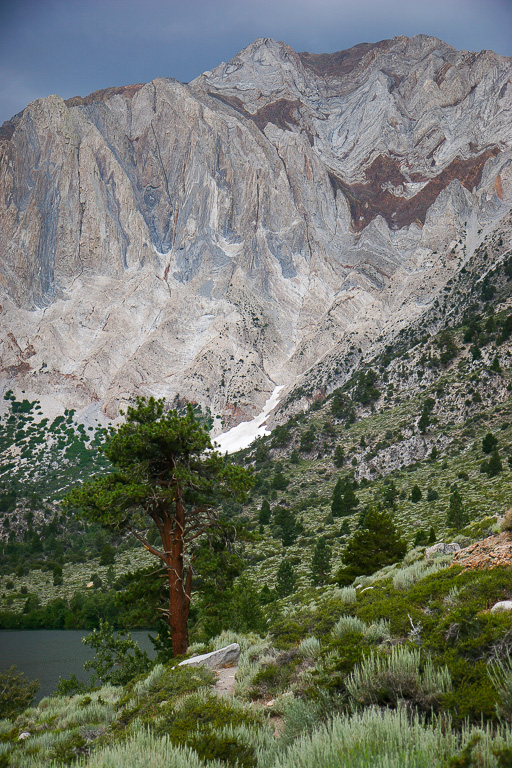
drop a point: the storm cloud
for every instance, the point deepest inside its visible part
(74, 47)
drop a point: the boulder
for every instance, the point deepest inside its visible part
(442, 549)
(216, 659)
(504, 605)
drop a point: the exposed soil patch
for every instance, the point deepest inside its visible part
(225, 685)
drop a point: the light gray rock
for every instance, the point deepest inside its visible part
(256, 227)
(24, 735)
(442, 549)
(504, 605)
(216, 659)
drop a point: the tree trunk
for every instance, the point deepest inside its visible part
(178, 599)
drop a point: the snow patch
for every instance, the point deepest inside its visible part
(243, 434)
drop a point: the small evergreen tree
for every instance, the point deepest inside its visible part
(431, 535)
(339, 457)
(285, 525)
(372, 547)
(421, 538)
(416, 494)
(390, 495)
(457, 516)
(280, 482)
(245, 614)
(350, 502)
(337, 498)
(285, 579)
(495, 366)
(494, 465)
(108, 555)
(424, 420)
(321, 562)
(264, 515)
(57, 576)
(489, 443)
(266, 595)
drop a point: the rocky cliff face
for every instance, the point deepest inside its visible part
(282, 214)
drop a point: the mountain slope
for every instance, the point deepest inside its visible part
(280, 213)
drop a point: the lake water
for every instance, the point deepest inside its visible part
(47, 654)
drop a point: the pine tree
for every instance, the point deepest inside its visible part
(489, 443)
(321, 562)
(167, 476)
(421, 538)
(457, 516)
(337, 498)
(285, 579)
(495, 366)
(390, 495)
(494, 465)
(424, 421)
(286, 525)
(372, 547)
(416, 494)
(264, 515)
(350, 500)
(339, 457)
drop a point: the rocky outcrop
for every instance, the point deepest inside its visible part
(442, 549)
(214, 240)
(492, 552)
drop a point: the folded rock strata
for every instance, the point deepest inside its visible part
(216, 239)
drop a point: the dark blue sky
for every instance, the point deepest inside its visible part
(74, 47)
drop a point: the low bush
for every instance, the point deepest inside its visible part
(401, 675)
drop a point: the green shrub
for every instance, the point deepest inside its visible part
(372, 547)
(145, 749)
(118, 658)
(401, 675)
(391, 739)
(200, 720)
(500, 673)
(16, 693)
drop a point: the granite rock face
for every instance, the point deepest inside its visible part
(217, 239)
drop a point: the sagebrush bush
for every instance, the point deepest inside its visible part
(392, 739)
(348, 624)
(506, 524)
(500, 672)
(406, 577)
(309, 648)
(388, 679)
(348, 595)
(378, 632)
(143, 750)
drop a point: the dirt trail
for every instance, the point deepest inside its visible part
(225, 685)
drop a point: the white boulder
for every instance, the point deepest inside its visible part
(504, 605)
(216, 659)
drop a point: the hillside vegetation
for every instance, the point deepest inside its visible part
(359, 646)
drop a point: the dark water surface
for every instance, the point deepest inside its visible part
(47, 654)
